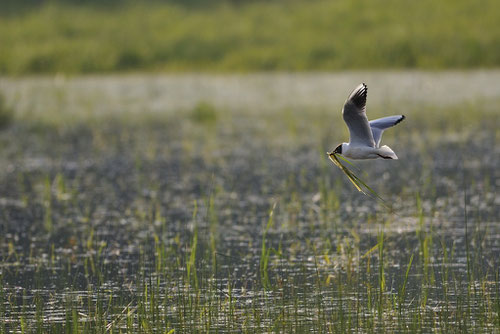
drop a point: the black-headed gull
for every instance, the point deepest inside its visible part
(364, 136)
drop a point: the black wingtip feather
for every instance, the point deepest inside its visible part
(400, 120)
(359, 96)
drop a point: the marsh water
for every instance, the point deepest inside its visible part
(208, 204)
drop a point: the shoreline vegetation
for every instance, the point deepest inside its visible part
(244, 36)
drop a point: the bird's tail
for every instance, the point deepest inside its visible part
(386, 152)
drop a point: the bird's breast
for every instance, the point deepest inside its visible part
(360, 152)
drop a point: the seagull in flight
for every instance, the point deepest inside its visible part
(364, 136)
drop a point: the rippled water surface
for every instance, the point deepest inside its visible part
(204, 204)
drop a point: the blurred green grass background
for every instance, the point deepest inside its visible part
(39, 36)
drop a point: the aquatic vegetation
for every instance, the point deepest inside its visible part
(6, 113)
(356, 181)
(145, 221)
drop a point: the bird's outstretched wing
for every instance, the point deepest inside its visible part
(354, 113)
(380, 124)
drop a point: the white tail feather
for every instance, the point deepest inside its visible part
(387, 153)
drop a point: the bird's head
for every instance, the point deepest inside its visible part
(338, 149)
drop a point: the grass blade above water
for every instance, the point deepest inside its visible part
(355, 180)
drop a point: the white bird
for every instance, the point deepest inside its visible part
(364, 136)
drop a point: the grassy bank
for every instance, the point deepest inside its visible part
(298, 35)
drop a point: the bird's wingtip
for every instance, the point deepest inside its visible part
(358, 95)
(400, 119)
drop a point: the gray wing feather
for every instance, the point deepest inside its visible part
(354, 114)
(380, 124)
